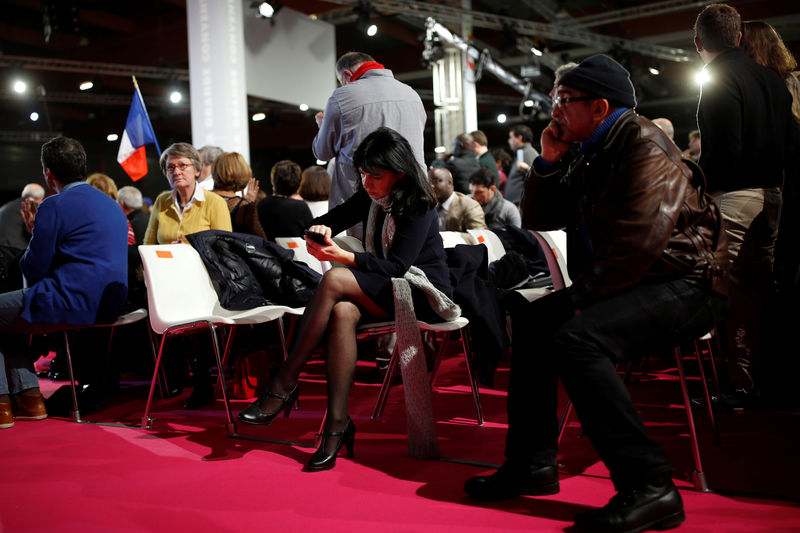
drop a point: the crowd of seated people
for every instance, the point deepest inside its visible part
(625, 255)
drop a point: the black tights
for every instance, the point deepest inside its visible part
(335, 309)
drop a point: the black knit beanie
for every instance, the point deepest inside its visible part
(601, 76)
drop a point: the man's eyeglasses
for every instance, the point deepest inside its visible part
(561, 101)
(180, 166)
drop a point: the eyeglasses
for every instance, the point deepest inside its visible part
(561, 101)
(180, 166)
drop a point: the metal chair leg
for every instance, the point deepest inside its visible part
(147, 422)
(698, 475)
(439, 357)
(377, 412)
(76, 412)
(230, 425)
(473, 379)
(711, 415)
(562, 427)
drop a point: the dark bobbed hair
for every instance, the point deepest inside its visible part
(285, 177)
(503, 157)
(521, 130)
(482, 176)
(717, 27)
(315, 184)
(385, 149)
(65, 158)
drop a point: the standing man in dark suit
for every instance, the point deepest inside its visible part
(744, 116)
(519, 140)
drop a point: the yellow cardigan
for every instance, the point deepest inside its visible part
(166, 224)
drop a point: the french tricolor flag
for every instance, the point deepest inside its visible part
(138, 133)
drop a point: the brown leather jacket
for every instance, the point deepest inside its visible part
(634, 213)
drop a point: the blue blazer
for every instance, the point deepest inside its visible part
(76, 264)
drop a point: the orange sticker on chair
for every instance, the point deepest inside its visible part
(292, 244)
(164, 254)
(481, 239)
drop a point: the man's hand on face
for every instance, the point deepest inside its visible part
(28, 212)
(318, 117)
(553, 148)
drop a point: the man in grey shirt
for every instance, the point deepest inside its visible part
(519, 140)
(497, 211)
(368, 99)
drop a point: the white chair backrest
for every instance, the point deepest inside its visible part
(298, 246)
(489, 239)
(179, 290)
(556, 261)
(451, 238)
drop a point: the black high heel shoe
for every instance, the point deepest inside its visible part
(254, 413)
(325, 461)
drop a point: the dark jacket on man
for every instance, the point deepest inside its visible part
(637, 214)
(744, 116)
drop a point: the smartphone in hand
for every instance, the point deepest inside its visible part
(318, 238)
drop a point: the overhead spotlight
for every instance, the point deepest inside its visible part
(267, 10)
(258, 117)
(364, 10)
(440, 149)
(528, 103)
(702, 77)
(535, 51)
(655, 71)
(20, 86)
(111, 137)
(175, 97)
(303, 107)
(321, 162)
(34, 116)
(501, 118)
(85, 86)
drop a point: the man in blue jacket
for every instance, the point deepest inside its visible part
(75, 270)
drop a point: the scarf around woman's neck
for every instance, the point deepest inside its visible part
(387, 232)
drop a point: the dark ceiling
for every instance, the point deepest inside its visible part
(57, 44)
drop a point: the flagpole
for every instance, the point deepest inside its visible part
(141, 99)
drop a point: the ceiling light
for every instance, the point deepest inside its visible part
(34, 116)
(364, 10)
(258, 117)
(702, 77)
(535, 51)
(501, 118)
(372, 30)
(175, 97)
(303, 107)
(85, 86)
(20, 86)
(265, 10)
(440, 149)
(321, 162)
(111, 137)
(654, 71)
(528, 103)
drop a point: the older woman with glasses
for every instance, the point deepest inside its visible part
(396, 205)
(187, 208)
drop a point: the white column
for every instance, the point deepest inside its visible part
(470, 100)
(217, 75)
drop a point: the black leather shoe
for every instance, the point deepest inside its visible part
(254, 413)
(321, 460)
(650, 507)
(513, 480)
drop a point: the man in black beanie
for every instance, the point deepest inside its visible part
(649, 268)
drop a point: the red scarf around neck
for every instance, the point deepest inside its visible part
(369, 65)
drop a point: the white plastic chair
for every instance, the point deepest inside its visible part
(489, 239)
(182, 299)
(452, 238)
(555, 262)
(298, 246)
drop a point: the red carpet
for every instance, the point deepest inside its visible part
(188, 475)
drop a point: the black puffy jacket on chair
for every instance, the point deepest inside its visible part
(249, 271)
